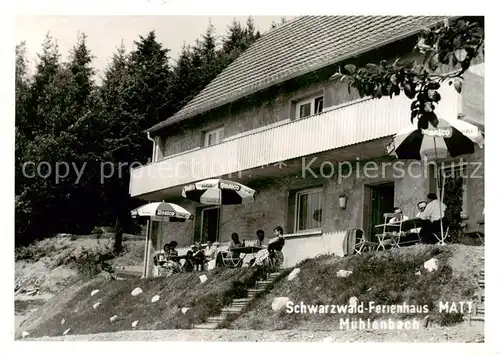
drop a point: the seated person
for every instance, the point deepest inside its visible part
(258, 243)
(160, 258)
(210, 251)
(199, 257)
(399, 217)
(235, 243)
(276, 245)
(420, 207)
(434, 212)
(260, 238)
(272, 255)
(189, 262)
(170, 251)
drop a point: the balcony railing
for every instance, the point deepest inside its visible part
(352, 123)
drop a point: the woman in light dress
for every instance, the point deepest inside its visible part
(273, 255)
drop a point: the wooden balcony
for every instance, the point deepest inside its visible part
(335, 129)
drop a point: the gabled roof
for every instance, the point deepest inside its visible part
(298, 47)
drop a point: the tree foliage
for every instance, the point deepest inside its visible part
(62, 115)
(454, 44)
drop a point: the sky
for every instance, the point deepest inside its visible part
(105, 33)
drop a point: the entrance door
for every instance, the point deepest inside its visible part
(382, 201)
(210, 221)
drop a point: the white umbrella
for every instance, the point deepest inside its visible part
(162, 209)
(453, 138)
(440, 139)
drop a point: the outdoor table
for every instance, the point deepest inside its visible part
(252, 249)
(234, 262)
(177, 258)
(414, 223)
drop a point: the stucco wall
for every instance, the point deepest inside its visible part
(183, 138)
(271, 206)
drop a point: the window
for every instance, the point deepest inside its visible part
(453, 176)
(308, 210)
(309, 107)
(214, 137)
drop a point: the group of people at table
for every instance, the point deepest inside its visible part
(429, 211)
(200, 258)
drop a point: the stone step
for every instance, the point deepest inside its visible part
(242, 305)
(481, 282)
(255, 290)
(480, 310)
(216, 319)
(206, 326)
(231, 310)
(263, 283)
(275, 274)
(477, 318)
(241, 300)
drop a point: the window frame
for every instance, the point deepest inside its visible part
(219, 132)
(455, 168)
(296, 212)
(312, 102)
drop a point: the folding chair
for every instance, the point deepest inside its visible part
(388, 237)
(479, 232)
(362, 245)
(225, 258)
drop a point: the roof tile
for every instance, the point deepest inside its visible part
(302, 45)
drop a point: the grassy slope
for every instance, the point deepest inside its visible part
(385, 278)
(176, 292)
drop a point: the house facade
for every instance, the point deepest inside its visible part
(280, 121)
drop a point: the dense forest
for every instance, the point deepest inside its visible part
(68, 127)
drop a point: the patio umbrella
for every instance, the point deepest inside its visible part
(173, 212)
(163, 211)
(440, 139)
(218, 192)
(454, 138)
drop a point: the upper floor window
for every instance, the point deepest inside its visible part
(308, 210)
(308, 107)
(215, 136)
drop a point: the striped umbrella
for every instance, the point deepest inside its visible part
(218, 192)
(453, 138)
(439, 140)
(173, 212)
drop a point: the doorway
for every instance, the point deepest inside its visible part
(381, 200)
(210, 223)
